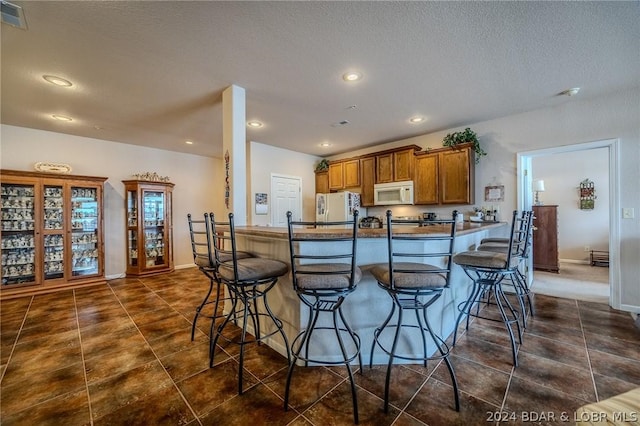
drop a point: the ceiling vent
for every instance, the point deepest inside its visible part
(13, 15)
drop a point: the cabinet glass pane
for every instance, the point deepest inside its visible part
(132, 228)
(84, 231)
(153, 220)
(53, 256)
(18, 234)
(53, 219)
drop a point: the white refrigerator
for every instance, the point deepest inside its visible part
(338, 206)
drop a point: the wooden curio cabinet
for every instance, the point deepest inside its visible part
(52, 231)
(149, 227)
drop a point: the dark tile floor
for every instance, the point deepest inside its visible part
(121, 354)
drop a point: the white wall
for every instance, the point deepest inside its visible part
(198, 180)
(562, 174)
(266, 159)
(578, 120)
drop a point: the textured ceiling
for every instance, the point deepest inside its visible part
(152, 73)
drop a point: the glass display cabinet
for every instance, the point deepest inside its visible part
(149, 227)
(52, 231)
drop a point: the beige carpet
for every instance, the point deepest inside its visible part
(575, 281)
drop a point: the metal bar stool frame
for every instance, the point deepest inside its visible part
(519, 280)
(409, 297)
(248, 291)
(200, 235)
(325, 298)
(487, 283)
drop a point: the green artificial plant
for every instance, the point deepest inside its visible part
(466, 136)
(322, 165)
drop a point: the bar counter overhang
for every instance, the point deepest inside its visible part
(368, 306)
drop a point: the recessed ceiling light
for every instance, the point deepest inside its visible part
(58, 81)
(570, 92)
(254, 124)
(416, 120)
(325, 144)
(61, 117)
(189, 142)
(352, 76)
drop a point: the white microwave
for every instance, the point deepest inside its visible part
(393, 193)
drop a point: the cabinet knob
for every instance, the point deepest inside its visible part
(535, 228)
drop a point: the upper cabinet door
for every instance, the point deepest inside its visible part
(384, 168)
(368, 171)
(456, 177)
(336, 176)
(403, 165)
(322, 182)
(351, 173)
(426, 180)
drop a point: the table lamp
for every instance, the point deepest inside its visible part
(538, 187)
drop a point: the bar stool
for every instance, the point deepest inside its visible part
(414, 282)
(487, 270)
(517, 280)
(203, 257)
(248, 280)
(323, 277)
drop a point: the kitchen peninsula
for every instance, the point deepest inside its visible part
(367, 307)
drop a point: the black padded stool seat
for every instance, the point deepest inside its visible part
(414, 280)
(248, 279)
(326, 276)
(253, 269)
(322, 280)
(495, 240)
(485, 259)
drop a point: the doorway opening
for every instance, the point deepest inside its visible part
(535, 165)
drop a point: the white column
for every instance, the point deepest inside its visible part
(234, 151)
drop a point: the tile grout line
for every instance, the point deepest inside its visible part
(586, 349)
(175, 385)
(15, 342)
(84, 365)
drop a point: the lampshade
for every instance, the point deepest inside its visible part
(538, 186)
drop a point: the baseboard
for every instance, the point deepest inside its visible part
(187, 266)
(579, 262)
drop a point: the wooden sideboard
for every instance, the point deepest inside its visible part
(545, 238)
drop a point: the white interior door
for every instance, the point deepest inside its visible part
(286, 194)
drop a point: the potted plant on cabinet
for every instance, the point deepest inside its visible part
(322, 166)
(466, 136)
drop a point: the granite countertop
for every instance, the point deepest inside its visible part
(280, 232)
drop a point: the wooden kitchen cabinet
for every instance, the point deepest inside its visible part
(351, 169)
(395, 165)
(52, 231)
(336, 175)
(457, 172)
(322, 182)
(149, 227)
(426, 181)
(403, 165)
(344, 174)
(545, 238)
(445, 176)
(368, 179)
(384, 168)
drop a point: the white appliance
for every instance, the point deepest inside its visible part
(393, 193)
(338, 206)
